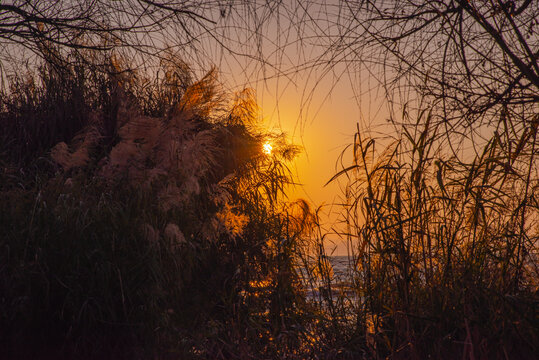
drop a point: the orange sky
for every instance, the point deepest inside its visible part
(323, 127)
(322, 121)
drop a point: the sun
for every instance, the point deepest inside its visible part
(267, 148)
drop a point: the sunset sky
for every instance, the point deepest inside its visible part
(318, 107)
(324, 128)
(239, 179)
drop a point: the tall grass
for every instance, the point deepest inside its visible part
(445, 250)
(140, 218)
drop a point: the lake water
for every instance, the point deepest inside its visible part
(341, 267)
(340, 280)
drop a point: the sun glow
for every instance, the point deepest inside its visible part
(267, 148)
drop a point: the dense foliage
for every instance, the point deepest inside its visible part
(140, 218)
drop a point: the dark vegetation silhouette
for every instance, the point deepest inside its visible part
(442, 217)
(141, 218)
(102, 25)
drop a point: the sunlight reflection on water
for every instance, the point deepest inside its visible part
(338, 282)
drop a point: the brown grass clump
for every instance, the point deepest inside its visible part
(140, 232)
(444, 250)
